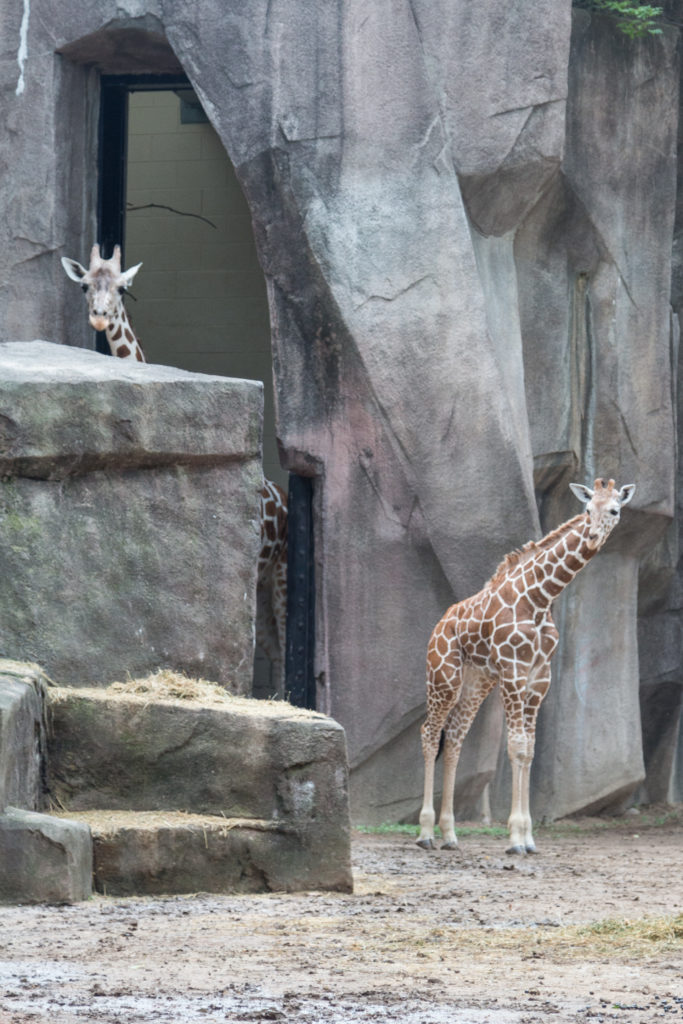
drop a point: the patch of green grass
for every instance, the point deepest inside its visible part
(395, 828)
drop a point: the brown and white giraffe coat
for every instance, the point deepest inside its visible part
(505, 635)
(104, 285)
(271, 589)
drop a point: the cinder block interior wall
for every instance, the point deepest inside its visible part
(200, 294)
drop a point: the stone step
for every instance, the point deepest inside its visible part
(228, 756)
(163, 852)
(43, 859)
(175, 787)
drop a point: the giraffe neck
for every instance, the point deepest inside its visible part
(554, 561)
(121, 336)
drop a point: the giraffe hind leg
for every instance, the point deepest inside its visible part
(432, 738)
(475, 688)
(444, 683)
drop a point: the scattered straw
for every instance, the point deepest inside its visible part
(627, 940)
(106, 823)
(627, 935)
(167, 685)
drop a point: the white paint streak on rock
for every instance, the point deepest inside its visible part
(22, 53)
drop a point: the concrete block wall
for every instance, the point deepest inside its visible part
(201, 294)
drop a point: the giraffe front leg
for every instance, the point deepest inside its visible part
(521, 719)
(513, 687)
(519, 822)
(537, 687)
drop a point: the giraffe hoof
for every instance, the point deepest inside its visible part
(426, 844)
(530, 848)
(515, 851)
(452, 844)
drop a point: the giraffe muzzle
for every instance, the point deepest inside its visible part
(98, 322)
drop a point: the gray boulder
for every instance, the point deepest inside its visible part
(128, 516)
(43, 859)
(138, 853)
(22, 735)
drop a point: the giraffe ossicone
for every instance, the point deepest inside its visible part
(505, 635)
(104, 284)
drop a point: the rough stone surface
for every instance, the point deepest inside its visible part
(281, 767)
(191, 853)
(464, 215)
(109, 751)
(128, 512)
(22, 735)
(43, 859)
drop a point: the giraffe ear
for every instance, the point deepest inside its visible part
(126, 278)
(582, 492)
(626, 493)
(73, 269)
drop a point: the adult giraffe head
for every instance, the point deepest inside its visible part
(103, 283)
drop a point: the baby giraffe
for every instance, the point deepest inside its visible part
(505, 636)
(104, 286)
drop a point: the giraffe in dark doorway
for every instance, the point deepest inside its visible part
(104, 285)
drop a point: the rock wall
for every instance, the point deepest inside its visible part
(42, 860)
(128, 517)
(464, 215)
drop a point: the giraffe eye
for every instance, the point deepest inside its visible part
(121, 289)
(84, 287)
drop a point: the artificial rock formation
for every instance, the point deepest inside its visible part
(262, 787)
(163, 790)
(42, 860)
(464, 214)
(128, 502)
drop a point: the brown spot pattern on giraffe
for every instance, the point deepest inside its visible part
(505, 634)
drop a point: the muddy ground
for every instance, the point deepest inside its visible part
(427, 938)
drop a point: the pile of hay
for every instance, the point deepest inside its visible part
(167, 685)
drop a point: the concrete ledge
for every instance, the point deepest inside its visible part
(43, 859)
(151, 853)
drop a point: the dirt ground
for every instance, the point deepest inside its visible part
(584, 931)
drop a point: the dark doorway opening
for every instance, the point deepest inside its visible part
(205, 310)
